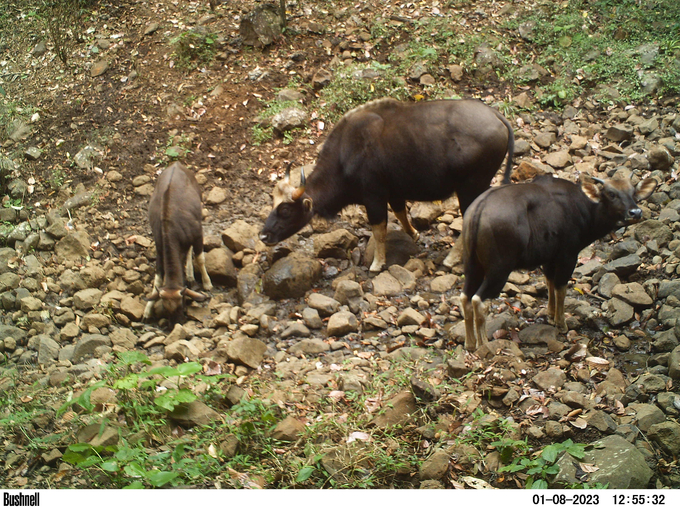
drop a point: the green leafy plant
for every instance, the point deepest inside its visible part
(543, 466)
(194, 48)
(261, 134)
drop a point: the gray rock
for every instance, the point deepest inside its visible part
(241, 235)
(295, 329)
(538, 334)
(289, 95)
(559, 159)
(632, 293)
(386, 285)
(193, 414)
(216, 196)
(261, 27)
(244, 350)
(397, 411)
(646, 415)
(619, 133)
(624, 266)
(86, 346)
(123, 338)
(183, 350)
(444, 283)
(220, 267)
(341, 323)
(619, 312)
(602, 421)
(435, 467)
(288, 430)
(673, 364)
(99, 68)
(667, 436)
(131, 307)
(48, 350)
(406, 278)
(659, 158)
(312, 318)
(248, 282)
(87, 299)
(607, 283)
(347, 291)
(325, 305)
(620, 466)
(424, 213)
(289, 118)
(653, 230)
(73, 247)
(310, 346)
(550, 379)
(409, 316)
(335, 244)
(291, 276)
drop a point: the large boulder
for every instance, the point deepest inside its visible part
(291, 276)
(262, 26)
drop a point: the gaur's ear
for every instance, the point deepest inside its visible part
(307, 204)
(196, 296)
(645, 189)
(589, 188)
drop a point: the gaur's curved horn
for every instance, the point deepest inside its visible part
(601, 181)
(303, 183)
(290, 164)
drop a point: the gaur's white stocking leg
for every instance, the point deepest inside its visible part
(480, 320)
(157, 282)
(560, 322)
(200, 262)
(469, 316)
(380, 236)
(189, 268)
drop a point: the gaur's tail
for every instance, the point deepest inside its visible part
(511, 148)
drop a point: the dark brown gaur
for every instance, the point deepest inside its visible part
(387, 152)
(543, 223)
(175, 217)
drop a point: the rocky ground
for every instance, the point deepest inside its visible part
(304, 324)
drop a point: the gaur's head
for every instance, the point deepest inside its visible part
(292, 211)
(174, 301)
(618, 196)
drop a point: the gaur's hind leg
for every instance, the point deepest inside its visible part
(560, 322)
(200, 263)
(205, 278)
(469, 316)
(399, 208)
(480, 320)
(380, 237)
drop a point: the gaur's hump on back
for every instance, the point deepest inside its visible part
(375, 106)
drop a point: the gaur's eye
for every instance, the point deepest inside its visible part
(284, 211)
(611, 195)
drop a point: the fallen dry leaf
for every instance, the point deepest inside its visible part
(476, 483)
(579, 423)
(588, 468)
(359, 436)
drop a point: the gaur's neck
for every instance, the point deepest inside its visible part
(328, 196)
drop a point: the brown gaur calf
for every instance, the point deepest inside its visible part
(175, 217)
(544, 223)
